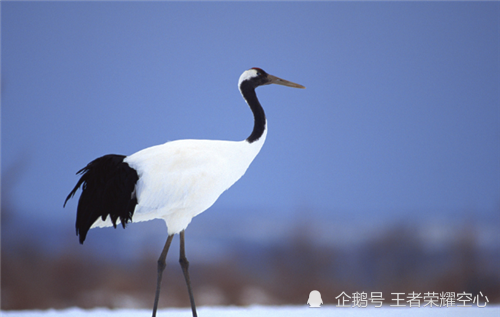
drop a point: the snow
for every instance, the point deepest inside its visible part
(274, 311)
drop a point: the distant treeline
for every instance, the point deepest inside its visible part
(396, 261)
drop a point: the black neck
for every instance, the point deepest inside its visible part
(248, 92)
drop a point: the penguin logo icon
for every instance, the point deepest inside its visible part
(315, 299)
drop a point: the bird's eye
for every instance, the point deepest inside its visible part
(258, 74)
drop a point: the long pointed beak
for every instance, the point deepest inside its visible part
(276, 80)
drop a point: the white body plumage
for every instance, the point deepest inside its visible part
(180, 179)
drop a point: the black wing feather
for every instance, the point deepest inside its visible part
(108, 189)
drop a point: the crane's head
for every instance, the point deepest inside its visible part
(257, 77)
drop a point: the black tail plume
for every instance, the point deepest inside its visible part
(108, 189)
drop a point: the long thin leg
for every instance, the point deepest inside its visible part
(184, 265)
(161, 266)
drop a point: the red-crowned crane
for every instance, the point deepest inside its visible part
(174, 181)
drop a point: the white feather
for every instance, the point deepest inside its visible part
(251, 73)
(180, 179)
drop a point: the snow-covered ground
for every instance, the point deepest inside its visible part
(272, 311)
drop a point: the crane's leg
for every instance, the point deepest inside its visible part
(161, 266)
(184, 265)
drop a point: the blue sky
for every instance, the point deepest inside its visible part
(401, 113)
